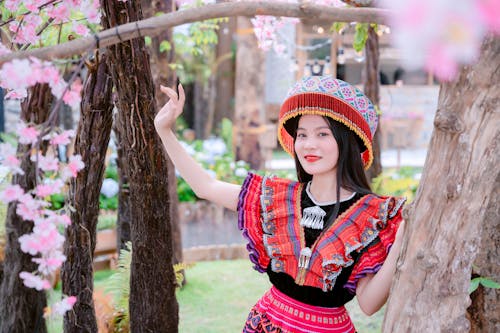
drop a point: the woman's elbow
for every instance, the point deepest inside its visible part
(369, 308)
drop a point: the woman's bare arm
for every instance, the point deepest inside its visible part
(372, 290)
(204, 186)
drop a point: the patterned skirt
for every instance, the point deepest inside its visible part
(277, 313)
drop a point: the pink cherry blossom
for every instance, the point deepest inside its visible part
(46, 162)
(90, 9)
(17, 94)
(25, 32)
(58, 219)
(11, 193)
(12, 5)
(27, 134)
(73, 96)
(489, 10)
(60, 308)
(33, 281)
(50, 264)
(14, 164)
(34, 5)
(4, 50)
(71, 170)
(80, 29)
(49, 188)
(15, 73)
(44, 239)
(59, 13)
(29, 208)
(63, 138)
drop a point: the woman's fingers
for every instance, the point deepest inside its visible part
(170, 92)
(182, 94)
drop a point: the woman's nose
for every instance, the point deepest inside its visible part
(310, 143)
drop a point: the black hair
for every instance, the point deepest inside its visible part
(350, 171)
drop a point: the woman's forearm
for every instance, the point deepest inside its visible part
(203, 185)
(373, 290)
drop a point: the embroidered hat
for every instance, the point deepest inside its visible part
(334, 98)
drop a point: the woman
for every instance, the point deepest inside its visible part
(323, 239)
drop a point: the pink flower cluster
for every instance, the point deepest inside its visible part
(45, 241)
(441, 35)
(26, 25)
(20, 74)
(267, 28)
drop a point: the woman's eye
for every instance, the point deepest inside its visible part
(301, 135)
(323, 134)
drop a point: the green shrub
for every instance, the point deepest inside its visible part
(398, 182)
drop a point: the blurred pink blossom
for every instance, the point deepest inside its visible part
(4, 49)
(58, 219)
(489, 10)
(14, 164)
(71, 170)
(27, 134)
(50, 264)
(60, 308)
(12, 5)
(33, 281)
(63, 138)
(60, 13)
(90, 9)
(46, 162)
(11, 193)
(44, 239)
(80, 29)
(29, 208)
(49, 188)
(73, 96)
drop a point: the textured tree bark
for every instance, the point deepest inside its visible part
(21, 308)
(249, 101)
(162, 74)
(152, 305)
(91, 143)
(123, 219)
(483, 312)
(224, 107)
(449, 215)
(372, 91)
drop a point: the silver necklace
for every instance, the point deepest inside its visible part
(312, 217)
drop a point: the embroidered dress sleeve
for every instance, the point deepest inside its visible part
(373, 256)
(250, 220)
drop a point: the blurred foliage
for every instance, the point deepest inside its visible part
(106, 221)
(398, 182)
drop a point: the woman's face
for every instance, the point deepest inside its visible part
(315, 146)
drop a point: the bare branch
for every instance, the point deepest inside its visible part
(154, 25)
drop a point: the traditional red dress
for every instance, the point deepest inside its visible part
(269, 211)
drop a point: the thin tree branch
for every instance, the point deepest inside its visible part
(155, 25)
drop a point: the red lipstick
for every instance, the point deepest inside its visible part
(311, 158)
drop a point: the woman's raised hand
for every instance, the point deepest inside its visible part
(166, 117)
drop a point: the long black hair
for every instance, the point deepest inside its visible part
(350, 170)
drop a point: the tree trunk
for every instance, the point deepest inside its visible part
(21, 308)
(162, 74)
(152, 305)
(372, 91)
(123, 219)
(224, 101)
(249, 104)
(446, 222)
(201, 101)
(483, 312)
(91, 143)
